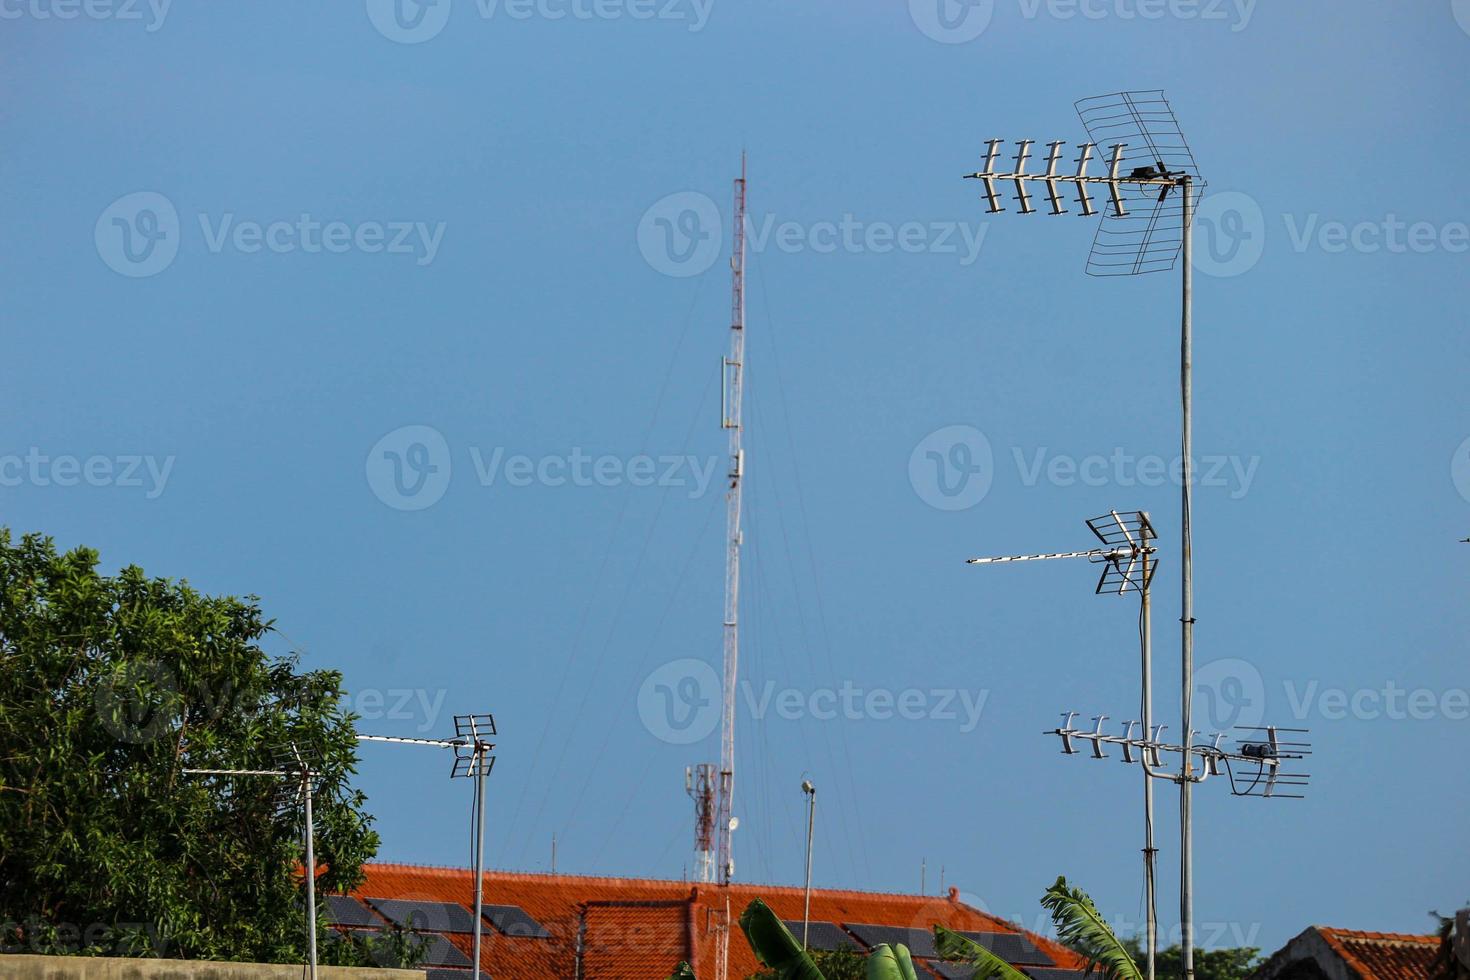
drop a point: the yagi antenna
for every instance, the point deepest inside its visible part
(1124, 555)
(300, 779)
(1150, 172)
(1253, 765)
(472, 760)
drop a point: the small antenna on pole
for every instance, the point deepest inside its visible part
(299, 783)
(472, 760)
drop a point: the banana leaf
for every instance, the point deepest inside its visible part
(1082, 927)
(891, 963)
(952, 946)
(774, 945)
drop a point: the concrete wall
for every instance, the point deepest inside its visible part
(28, 967)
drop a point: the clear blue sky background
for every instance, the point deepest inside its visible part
(540, 326)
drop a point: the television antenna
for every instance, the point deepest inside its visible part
(1259, 753)
(299, 783)
(1128, 564)
(472, 760)
(1153, 190)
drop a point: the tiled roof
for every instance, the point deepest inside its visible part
(1383, 955)
(642, 928)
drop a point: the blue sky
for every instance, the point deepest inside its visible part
(260, 255)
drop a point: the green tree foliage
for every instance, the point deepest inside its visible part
(112, 686)
(1209, 964)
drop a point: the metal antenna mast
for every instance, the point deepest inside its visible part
(1145, 229)
(472, 760)
(300, 784)
(1126, 538)
(733, 389)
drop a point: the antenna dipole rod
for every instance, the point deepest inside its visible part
(1092, 553)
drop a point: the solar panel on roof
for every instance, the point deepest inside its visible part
(919, 941)
(426, 916)
(823, 935)
(950, 971)
(512, 920)
(1011, 946)
(441, 952)
(344, 910)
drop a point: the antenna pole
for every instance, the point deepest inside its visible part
(1150, 853)
(310, 874)
(1186, 617)
(733, 372)
(811, 817)
(480, 847)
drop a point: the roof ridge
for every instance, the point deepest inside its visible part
(1370, 936)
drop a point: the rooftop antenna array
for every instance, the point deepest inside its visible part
(699, 784)
(299, 783)
(472, 760)
(1153, 187)
(1127, 557)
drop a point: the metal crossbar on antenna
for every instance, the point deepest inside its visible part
(472, 760)
(300, 781)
